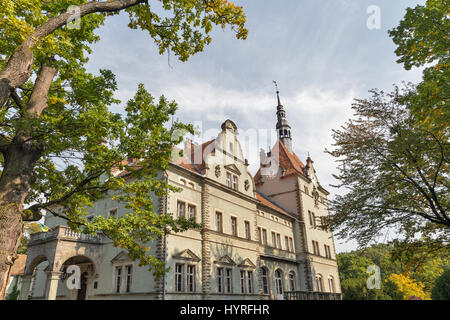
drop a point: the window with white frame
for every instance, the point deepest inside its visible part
(265, 280)
(224, 280)
(250, 281)
(292, 281)
(219, 280)
(192, 211)
(331, 284)
(179, 277)
(181, 209)
(118, 278)
(190, 278)
(247, 230)
(279, 281)
(234, 230)
(228, 179)
(246, 281)
(319, 283)
(228, 280)
(235, 182)
(278, 241)
(219, 224)
(243, 282)
(184, 277)
(129, 272)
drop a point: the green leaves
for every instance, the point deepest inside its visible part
(422, 40)
(396, 172)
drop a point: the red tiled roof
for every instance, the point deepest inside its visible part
(270, 204)
(287, 160)
(188, 162)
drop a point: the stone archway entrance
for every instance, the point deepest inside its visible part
(86, 275)
(62, 247)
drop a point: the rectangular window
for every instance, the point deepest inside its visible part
(219, 224)
(118, 278)
(306, 190)
(274, 239)
(312, 219)
(278, 241)
(113, 213)
(291, 244)
(190, 283)
(316, 248)
(286, 243)
(264, 236)
(235, 182)
(179, 277)
(220, 280)
(192, 211)
(181, 209)
(259, 235)
(228, 179)
(234, 226)
(229, 281)
(129, 270)
(250, 281)
(243, 282)
(247, 230)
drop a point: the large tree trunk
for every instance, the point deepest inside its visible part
(11, 231)
(15, 182)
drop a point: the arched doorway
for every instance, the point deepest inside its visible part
(86, 273)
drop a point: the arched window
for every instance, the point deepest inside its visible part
(281, 133)
(279, 281)
(285, 132)
(319, 283)
(292, 281)
(331, 284)
(265, 280)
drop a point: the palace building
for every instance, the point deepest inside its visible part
(261, 235)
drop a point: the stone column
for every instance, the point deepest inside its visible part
(52, 286)
(25, 287)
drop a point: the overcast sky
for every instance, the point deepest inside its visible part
(321, 53)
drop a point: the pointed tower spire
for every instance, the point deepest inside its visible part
(283, 127)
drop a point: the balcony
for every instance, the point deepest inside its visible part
(309, 295)
(63, 233)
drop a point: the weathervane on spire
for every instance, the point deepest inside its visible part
(278, 92)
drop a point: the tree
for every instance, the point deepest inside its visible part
(407, 287)
(422, 40)
(401, 268)
(396, 173)
(441, 289)
(353, 276)
(59, 141)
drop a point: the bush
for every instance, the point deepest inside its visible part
(441, 289)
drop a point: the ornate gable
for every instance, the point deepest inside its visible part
(121, 257)
(187, 255)
(247, 263)
(226, 260)
(233, 168)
